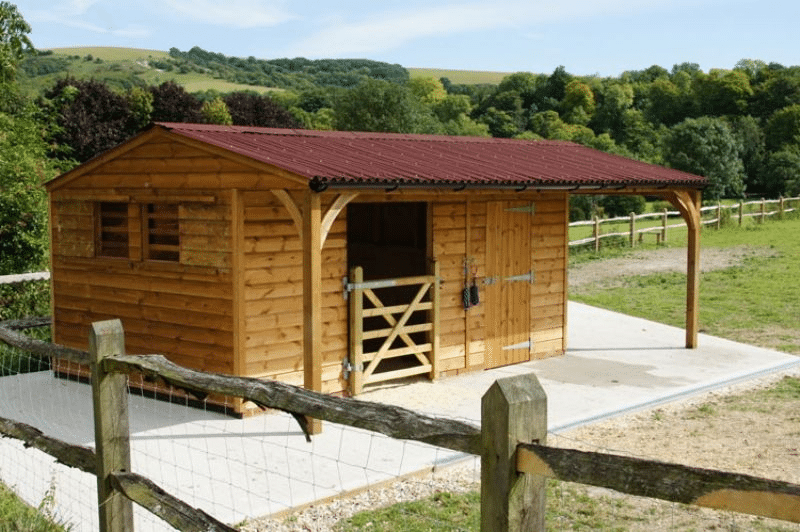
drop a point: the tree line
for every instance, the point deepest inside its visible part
(738, 127)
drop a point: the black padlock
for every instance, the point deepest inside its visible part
(474, 298)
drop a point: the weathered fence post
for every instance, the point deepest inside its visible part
(741, 212)
(513, 411)
(633, 229)
(763, 209)
(780, 207)
(596, 233)
(719, 215)
(111, 428)
(664, 226)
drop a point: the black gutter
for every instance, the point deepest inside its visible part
(319, 185)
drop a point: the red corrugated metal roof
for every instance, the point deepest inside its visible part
(335, 158)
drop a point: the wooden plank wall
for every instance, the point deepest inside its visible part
(550, 258)
(182, 310)
(273, 284)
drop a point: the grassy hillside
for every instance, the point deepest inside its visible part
(459, 77)
(123, 68)
(127, 67)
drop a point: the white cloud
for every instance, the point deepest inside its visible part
(385, 30)
(232, 13)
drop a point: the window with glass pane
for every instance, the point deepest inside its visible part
(113, 230)
(162, 238)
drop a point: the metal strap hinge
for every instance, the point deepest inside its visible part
(347, 368)
(529, 277)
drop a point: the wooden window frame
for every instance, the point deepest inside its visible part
(161, 240)
(151, 231)
(103, 245)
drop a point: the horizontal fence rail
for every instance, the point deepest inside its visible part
(713, 489)
(24, 277)
(712, 215)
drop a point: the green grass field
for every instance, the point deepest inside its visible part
(460, 77)
(756, 302)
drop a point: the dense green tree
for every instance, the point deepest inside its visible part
(91, 118)
(751, 137)
(525, 85)
(641, 137)
(171, 103)
(429, 91)
(24, 167)
(667, 103)
(622, 205)
(706, 146)
(614, 99)
(454, 113)
(253, 109)
(312, 100)
(783, 128)
(216, 112)
(723, 92)
(376, 105)
(780, 89)
(501, 124)
(781, 174)
(14, 41)
(140, 103)
(578, 104)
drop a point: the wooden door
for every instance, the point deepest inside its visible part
(507, 285)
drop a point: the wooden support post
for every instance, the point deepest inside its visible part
(719, 215)
(633, 229)
(664, 219)
(741, 212)
(763, 209)
(693, 272)
(312, 298)
(356, 333)
(513, 411)
(596, 233)
(780, 207)
(688, 203)
(111, 427)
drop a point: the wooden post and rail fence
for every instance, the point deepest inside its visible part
(511, 443)
(759, 210)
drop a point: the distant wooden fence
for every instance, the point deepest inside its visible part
(511, 443)
(710, 215)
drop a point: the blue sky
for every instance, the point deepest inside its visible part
(604, 37)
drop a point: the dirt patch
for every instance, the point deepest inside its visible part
(746, 429)
(661, 260)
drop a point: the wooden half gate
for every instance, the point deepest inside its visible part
(509, 275)
(418, 357)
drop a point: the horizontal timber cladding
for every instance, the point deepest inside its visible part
(273, 293)
(182, 309)
(549, 291)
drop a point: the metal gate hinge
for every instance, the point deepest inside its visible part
(347, 368)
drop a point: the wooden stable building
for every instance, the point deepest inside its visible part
(333, 259)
